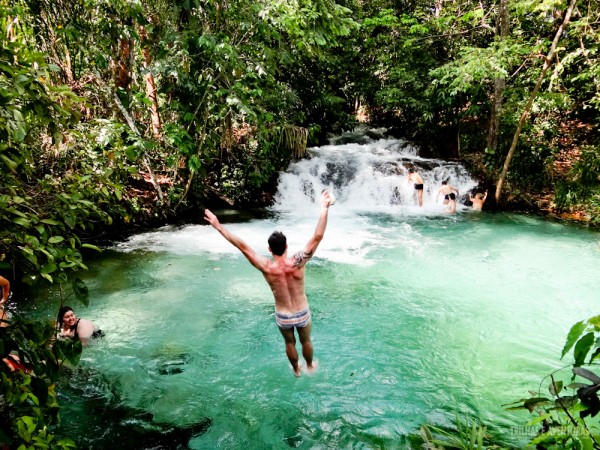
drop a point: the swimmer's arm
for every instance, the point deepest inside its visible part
(302, 258)
(484, 196)
(85, 330)
(260, 262)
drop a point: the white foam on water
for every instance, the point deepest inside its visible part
(369, 181)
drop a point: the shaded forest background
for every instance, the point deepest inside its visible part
(116, 114)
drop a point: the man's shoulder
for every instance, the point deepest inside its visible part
(299, 258)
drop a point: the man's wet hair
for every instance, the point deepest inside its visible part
(277, 243)
(411, 170)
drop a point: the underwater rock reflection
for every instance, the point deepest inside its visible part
(100, 419)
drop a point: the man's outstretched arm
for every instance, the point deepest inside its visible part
(260, 262)
(315, 240)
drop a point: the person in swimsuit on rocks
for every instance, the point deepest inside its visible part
(285, 277)
(74, 328)
(418, 181)
(449, 196)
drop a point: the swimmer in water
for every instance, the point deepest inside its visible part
(478, 200)
(74, 328)
(449, 196)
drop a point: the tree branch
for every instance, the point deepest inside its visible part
(533, 94)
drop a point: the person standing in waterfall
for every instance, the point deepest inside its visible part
(449, 196)
(418, 182)
(285, 277)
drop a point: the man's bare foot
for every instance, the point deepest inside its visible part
(313, 367)
(297, 371)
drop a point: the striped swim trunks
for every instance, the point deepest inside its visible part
(298, 319)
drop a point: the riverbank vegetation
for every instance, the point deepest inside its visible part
(117, 114)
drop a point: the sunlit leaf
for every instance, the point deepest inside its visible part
(582, 348)
(573, 336)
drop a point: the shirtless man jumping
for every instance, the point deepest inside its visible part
(285, 276)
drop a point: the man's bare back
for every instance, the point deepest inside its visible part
(286, 280)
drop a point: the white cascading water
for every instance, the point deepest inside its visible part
(370, 177)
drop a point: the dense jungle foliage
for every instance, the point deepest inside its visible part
(117, 114)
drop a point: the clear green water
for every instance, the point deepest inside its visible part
(436, 315)
(418, 315)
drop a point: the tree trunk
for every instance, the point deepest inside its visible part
(151, 86)
(527, 109)
(494, 129)
(68, 67)
(123, 75)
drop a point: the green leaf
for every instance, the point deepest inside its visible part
(582, 348)
(595, 322)
(23, 222)
(595, 354)
(47, 277)
(19, 134)
(70, 221)
(532, 403)
(69, 350)
(576, 331)
(81, 291)
(40, 390)
(566, 402)
(9, 162)
(49, 268)
(55, 239)
(93, 247)
(50, 221)
(555, 387)
(25, 426)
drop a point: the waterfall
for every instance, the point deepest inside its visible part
(369, 176)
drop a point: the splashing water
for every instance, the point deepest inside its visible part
(369, 177)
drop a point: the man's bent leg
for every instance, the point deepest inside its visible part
(307, 347)
(290, 348)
